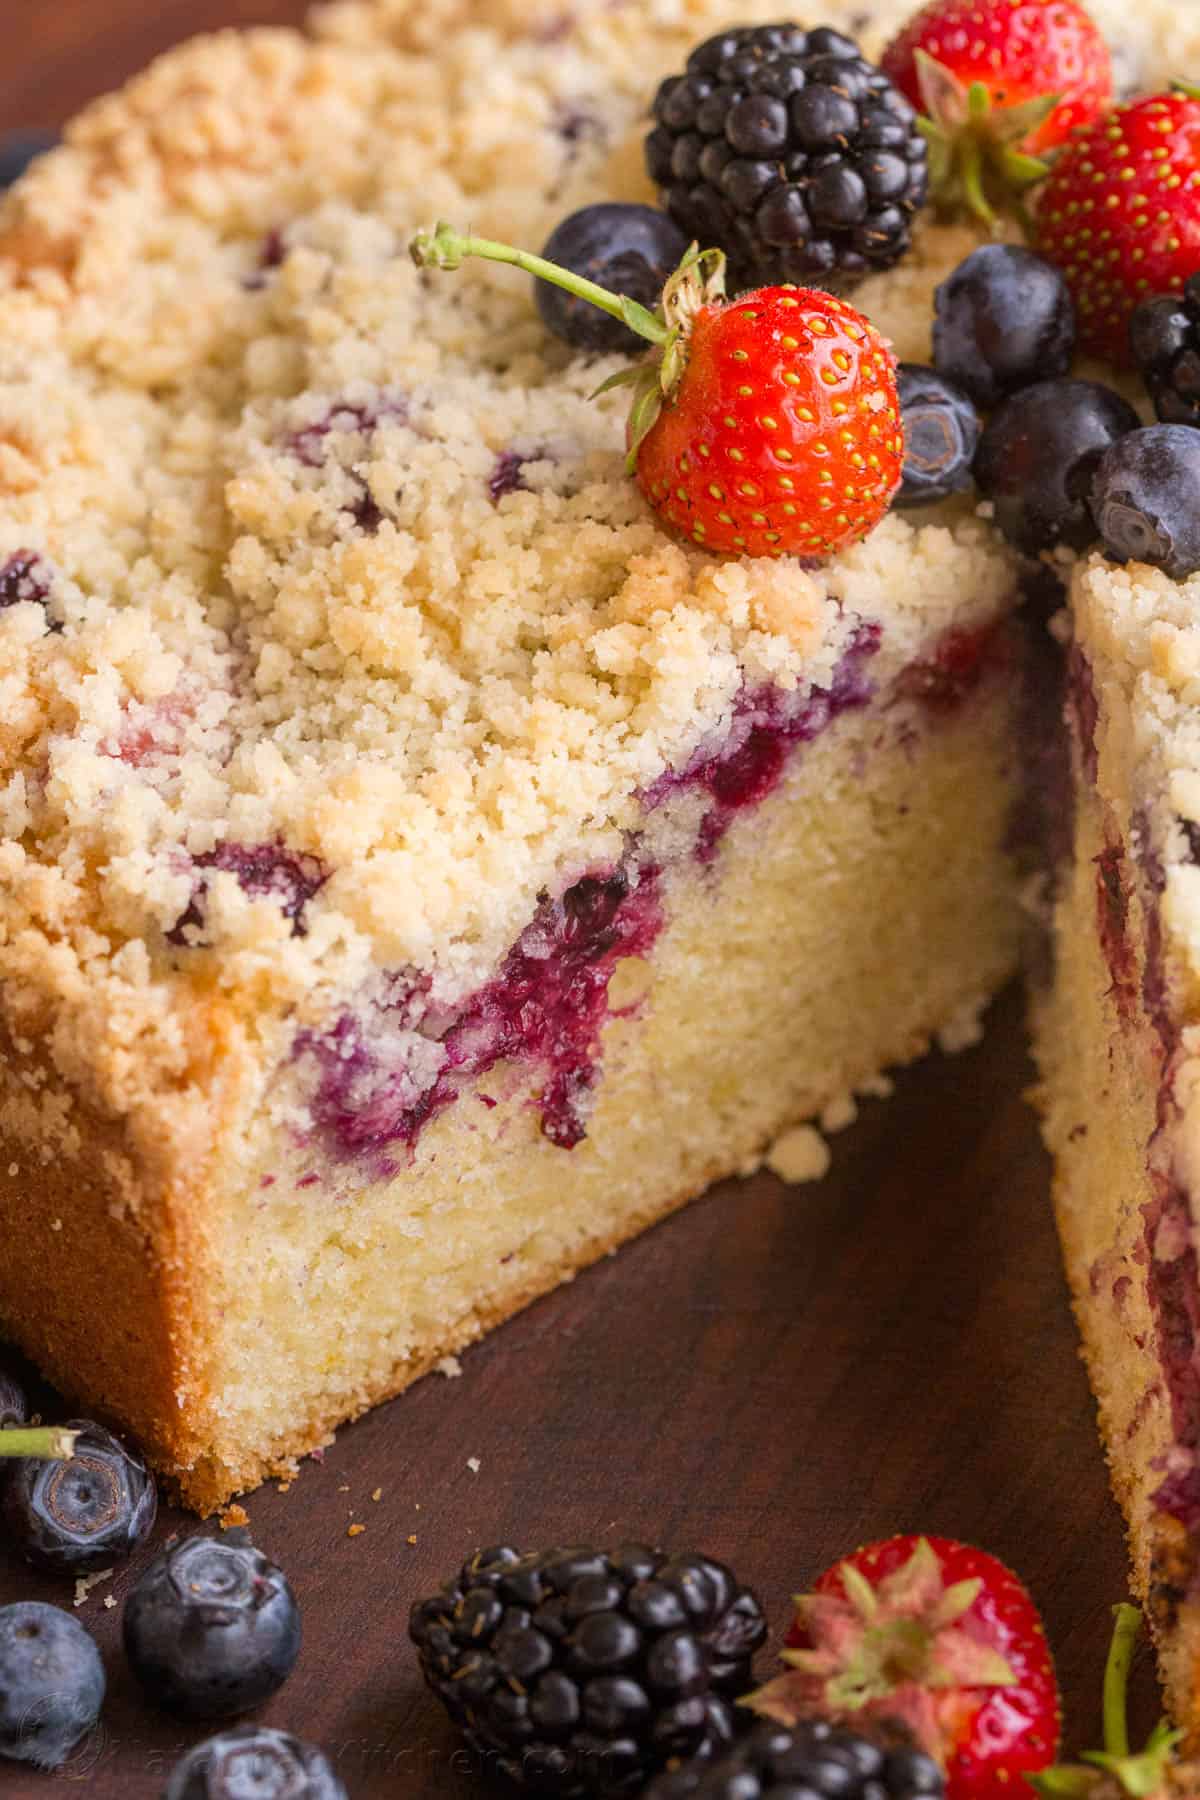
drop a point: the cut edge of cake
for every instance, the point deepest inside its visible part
(1117, 1037)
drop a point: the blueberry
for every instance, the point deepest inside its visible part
(83, 1514)
(212, 1628)
(253, 1762)
(941, 436)
(1146, 499)
(19, 149)
(628, 249)
(1003, 320)
(1037, 457)
(1164, 338)
(51, 1683)
(13, 1405)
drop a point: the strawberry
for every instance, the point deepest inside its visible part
(1000, 83)
(768, 425)
(1120, 214)
(938, 1636)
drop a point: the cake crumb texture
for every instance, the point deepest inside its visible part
(332, 632)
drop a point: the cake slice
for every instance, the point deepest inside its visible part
(417, 873)
(1118, 1040)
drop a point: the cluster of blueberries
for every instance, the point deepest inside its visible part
(1062, 461)
(211, 1628)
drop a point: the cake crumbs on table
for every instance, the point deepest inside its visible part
(450, 1367)
(85, 1583)
(474, 1464)
(355, 1530)
(411, 1538)
(233, 1518)
(110, 1600)
(377, 1495)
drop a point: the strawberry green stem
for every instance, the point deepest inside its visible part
(445, 248)
(49, 1443)
(1116, 1678)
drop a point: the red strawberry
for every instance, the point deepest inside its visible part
(768, 425)
(1000, 82)
(939, 1636)
(783, 435)
(1120, 214)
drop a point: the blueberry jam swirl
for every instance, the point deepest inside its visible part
(384, 1070)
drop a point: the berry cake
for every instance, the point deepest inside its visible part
(419, 870)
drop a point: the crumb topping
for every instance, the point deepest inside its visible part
(331, 631)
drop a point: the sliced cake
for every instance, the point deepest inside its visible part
(417, 871)
(1117, 1039)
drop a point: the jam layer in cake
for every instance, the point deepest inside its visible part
(1117, 1035)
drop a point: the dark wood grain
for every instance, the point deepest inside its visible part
(773, 1376)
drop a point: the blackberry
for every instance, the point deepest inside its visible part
(583, 1672)
(812, 1761)
(83, 1514)
(792, 153)
(1164, 337)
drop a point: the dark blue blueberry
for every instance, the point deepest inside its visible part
(18, 149)
(1164, 337)
(628, 249)
(1037, 457)
(1146, 499)
(941, 436)
(1003, 320)
(253, 1762)
(14, 1408)
(94, 1510)
(51, 1683)
(212, 1628)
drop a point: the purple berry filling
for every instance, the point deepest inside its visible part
(545, 1008)
(26, 577)
(1112, 925)
(1085, 707)
(961, 661)
(384, 1071)
(1174, 1293)
(766, 724)
(264, 871)
(508, 473)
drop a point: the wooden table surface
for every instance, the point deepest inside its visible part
(773, 1376)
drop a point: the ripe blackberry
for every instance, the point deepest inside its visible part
(583, 1672)
(814, 1760)
(792, 153)
(1165, 340)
